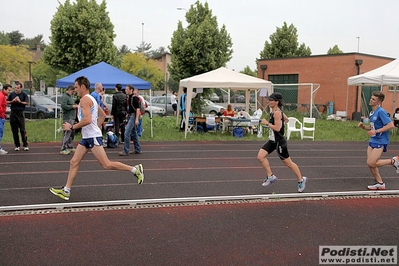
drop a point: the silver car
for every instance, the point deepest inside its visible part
(159, 101)
(155, 109)
(210, 107)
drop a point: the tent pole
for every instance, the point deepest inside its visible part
(152, 131)
(55, 113)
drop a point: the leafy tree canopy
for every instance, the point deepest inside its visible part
(81, 35)
(14, 63)
(284, 43)
(247, 70)
(334, 50)
(140, 66)
(32, 43)
(201, 46)
(15, 37)
(43, 71)
(4, 39)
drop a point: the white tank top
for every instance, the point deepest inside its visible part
(91, 130)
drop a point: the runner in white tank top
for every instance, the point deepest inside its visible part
(91, 117)
(91, 130)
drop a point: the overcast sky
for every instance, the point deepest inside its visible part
(321, 24)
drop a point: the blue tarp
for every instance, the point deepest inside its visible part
(108, 75)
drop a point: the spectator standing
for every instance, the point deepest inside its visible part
(18, 100)
(3, 108)
(133, 121)
(140, 129)
(118, 111)
(182, 108)
(173, 100)
(69, 115)
(98, 87)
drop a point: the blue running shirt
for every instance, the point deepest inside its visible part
(378, 119)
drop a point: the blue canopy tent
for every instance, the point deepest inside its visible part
(108, 75)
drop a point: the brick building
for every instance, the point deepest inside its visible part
(332, 73)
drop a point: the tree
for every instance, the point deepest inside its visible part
(201, 46)
(15, 37)
(144, 48)
(32, 43)
(284, 43)
(124, 50)
(14, 63)
(247, 70)
(4, 39)
(140, 66)
(158, 52)
(334, 50)
(81, 35)
(43, 71)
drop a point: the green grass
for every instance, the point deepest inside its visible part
(166, 129)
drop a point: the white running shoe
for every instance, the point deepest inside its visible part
(377, 186)
(2, 152)
(26, 149)
(16, 149)
(302, 184)
(269, 180)
(395, 163)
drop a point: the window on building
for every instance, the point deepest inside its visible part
(290, 93)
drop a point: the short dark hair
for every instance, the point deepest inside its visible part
(118, 87)
(6, 86)
(19, 83)
(380, 95)
(130, 86)
(83, 81)
(70, 87)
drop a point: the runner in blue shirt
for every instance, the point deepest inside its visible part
(378, 130)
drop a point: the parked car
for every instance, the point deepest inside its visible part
(108, 101)
(160, 102)
(238, 98)
(210, 107)
(42, 108)
(56, 99)
(214, 98)
(156, 110)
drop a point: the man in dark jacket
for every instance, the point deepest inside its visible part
(18, 100)
(69, 115)
(118, 111)
(133, 122)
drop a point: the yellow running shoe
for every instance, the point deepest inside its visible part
(60, 193)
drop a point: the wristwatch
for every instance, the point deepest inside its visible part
(71, 127)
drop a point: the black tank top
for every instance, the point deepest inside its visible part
(278, 134)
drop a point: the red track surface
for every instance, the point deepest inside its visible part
(254, 233)
(269, 233)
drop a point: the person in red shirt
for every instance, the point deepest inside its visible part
(3, 107)
(229, 111)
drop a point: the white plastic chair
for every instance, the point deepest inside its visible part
(292, 127)
(309, 125)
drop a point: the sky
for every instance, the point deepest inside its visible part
(366, 26)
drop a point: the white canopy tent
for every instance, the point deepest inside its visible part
(222, 78)
(386, 75)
